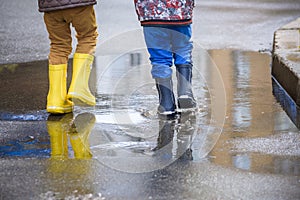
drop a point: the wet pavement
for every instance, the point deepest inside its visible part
(241, 144)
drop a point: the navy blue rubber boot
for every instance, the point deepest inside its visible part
(167, 105)
(186, 100)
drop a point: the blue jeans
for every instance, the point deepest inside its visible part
(166, 44)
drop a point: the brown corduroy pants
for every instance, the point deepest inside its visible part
(58, 26)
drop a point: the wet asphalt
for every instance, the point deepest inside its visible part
(243, 143)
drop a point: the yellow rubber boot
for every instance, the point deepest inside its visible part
(57, 102)
(58, 127)
(82, 126)
(79, 88)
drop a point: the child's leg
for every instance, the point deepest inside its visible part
(84, 21)
(60, 37)
(61, 46)
(182, 47)
(159, 47)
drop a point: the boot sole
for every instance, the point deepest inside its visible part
(59, 110)
(80, 99)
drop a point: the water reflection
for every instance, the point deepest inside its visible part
(175, 138)
(141, 146)
(287, 165)
(253, 118)
(251, 111)
(17, 91)
(125, 130)
(241, 118)
(77, 130)
(25, 146)
(70, 160)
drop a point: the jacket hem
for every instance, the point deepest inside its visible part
(47, 9)
(166, 22)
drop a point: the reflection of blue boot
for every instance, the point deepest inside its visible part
(164, 146)
(167, 104)
(186, 130)
(185, 99)
(166, 133)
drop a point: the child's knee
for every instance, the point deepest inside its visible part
(161, 71)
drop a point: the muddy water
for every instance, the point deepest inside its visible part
(241, 122)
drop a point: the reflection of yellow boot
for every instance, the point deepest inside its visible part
(57, 127)
(82, 126)
(57, 102)
(79, 88)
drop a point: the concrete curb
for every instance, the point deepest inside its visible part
(286, 59)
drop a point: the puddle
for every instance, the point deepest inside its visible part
(239, 108)
(256, 124)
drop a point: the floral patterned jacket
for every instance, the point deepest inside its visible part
(164, 12)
